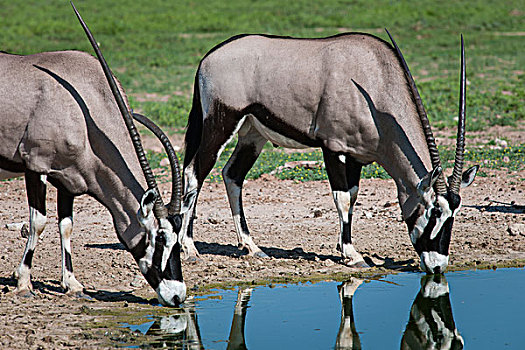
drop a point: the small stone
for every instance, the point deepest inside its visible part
(328, 262)
(368, 214)
(164, 162)
(212, 221)
(516, 229)
(16, 226)
(501, 143)
(137, 281)
(318, 213)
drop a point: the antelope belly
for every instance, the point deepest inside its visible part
(275, 137)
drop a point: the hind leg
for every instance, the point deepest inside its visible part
(246, 152)
(65, 227)
(344, 174)
(36, 196)
(219, 127)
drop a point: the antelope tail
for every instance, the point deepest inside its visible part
(193, 136)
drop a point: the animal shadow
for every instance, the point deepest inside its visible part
(278, 253)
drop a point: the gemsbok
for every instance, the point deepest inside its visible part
(353, 96)
(61, 125)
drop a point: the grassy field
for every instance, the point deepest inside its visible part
(154, 48)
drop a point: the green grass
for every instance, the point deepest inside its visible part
(154, 47)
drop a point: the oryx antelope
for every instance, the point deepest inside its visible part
(61, 125)
(353, 96)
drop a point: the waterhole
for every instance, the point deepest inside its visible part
(469, 309)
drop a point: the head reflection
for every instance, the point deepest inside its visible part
(181, 330)
(176, 330)
(431, 323)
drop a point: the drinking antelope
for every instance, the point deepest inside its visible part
(353, 96)
(60, 126)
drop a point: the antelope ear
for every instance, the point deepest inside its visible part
(429, 180)
(147, 202)
(468, 176)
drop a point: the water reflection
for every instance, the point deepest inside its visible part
(236, 339)
(431, 323)
(347, 337)
(178, 331)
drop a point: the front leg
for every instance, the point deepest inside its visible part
(36, 196)
(65, 227)
(344, 174)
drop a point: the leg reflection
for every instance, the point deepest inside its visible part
(182, 329)
(347, 337)
(236, 340)
(431, 324)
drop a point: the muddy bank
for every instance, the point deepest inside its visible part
(294, 223)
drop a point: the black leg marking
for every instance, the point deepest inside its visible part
(243, 222)
(67, 262)
(36, 191)
(28, 258)
(344, 174)
(64, 204)
(189, 233)
(346, 234)
(36, 197)
(246, 152)
(240, 162)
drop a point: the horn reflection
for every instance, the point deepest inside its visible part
(431, 323)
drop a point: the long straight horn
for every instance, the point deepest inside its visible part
(176, 186)
(440, 186)
(455, 179)
(159, 209)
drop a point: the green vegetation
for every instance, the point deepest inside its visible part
(154, 47)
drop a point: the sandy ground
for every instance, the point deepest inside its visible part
(294, 223)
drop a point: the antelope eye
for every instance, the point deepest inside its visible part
(161, 237)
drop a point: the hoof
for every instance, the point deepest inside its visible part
(193, 259)
(359, 264)
(79, 295)
(261, 254)
(24, 293)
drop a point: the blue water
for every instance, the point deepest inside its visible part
(482, 310)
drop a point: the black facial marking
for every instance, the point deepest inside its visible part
(28, 259)
(176, 222)
(139, 250)
(441, 242)
(173, 269)
(411, 220)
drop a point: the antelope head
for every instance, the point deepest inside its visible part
(430, 224)
(159, 253)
